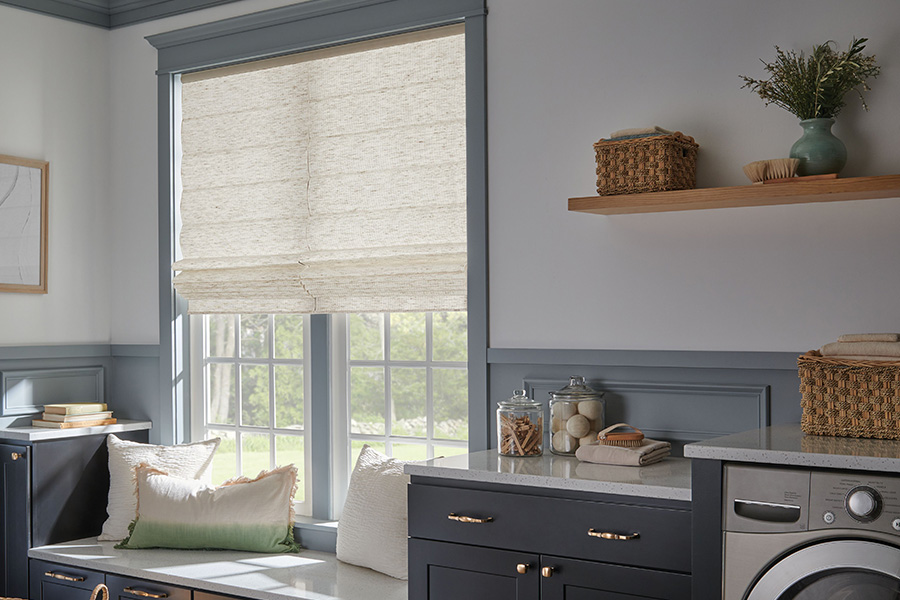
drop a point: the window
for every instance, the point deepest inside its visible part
(273, 35)
(401, 387)
(251, 371)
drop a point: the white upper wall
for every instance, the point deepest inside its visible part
(563, 74)
(54, 106)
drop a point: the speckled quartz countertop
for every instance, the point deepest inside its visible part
(33, 434)
(669, 479)
(308, 575)
(788, 445)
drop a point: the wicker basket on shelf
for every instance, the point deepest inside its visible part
(849, 398)
(646, 164)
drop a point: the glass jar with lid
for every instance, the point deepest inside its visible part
(577, 413)
(520, 426)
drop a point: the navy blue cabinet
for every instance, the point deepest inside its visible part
(519, 543)
(53, 490)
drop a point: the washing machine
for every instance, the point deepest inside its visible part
(798, 534)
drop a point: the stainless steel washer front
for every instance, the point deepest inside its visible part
(793, 534)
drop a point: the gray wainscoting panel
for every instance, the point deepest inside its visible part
(677, 396)
(26, 392)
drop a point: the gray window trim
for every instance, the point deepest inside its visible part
(316, 24)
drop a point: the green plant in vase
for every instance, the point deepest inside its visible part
(813, 87)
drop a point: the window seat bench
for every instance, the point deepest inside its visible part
(308, 575)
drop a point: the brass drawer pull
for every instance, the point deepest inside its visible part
(522, 568)
(464, 519)
(613, 536)
(63, 577)
(18, 455)
(144, 594)
(547, 571)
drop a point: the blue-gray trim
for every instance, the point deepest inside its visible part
(51, 352)
(320, 413)
(111, 14)
(300, 27)
(645, 358)
(174, 341)
(316, 536)
(135, 350)
(477, 232)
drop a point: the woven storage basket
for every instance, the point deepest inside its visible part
(646, 164)
(849, 398)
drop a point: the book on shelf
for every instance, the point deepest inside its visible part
(75, 408)
(94, 416)
(71, 425)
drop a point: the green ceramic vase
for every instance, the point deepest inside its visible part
(818, 150)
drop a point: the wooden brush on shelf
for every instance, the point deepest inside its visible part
(779, 170)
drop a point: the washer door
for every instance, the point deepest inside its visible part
(838, 570)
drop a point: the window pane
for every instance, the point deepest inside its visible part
(289, 336)
(408, 336)
(221, 335)
(451, 416)
(225, 459)
(409, 451)
(367, 400)
(255, 395)
(288, 396)
(450, 336)
(254, 336)
(408, 406)
(366, 336)
(221, 407)
(356, 447)
(449, 450)
(254, 454)
(289, 449)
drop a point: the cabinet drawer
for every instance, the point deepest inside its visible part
(554, 526)
(51, 581)
(127, 588)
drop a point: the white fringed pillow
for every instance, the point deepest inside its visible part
(255, 515)
(372, 530)
(188, 461)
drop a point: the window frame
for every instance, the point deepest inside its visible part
(307, 26)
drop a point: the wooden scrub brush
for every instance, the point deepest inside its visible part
(768, 170)
(628, 439)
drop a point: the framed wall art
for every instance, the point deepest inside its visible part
(23, 224)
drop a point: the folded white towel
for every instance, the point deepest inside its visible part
(870, 337)
(639, 131)
(649, 452)
(884, 349)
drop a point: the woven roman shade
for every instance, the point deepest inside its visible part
(332, 181)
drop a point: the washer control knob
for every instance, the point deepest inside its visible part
(828, 517)
(896, 524)
(864, 504)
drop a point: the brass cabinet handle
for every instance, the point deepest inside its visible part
(144, 594)
(522, 568)
(547, 571)
(463, 519)
(613, 536)
(63, 577)
(18, 455)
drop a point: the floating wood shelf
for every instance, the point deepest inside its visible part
(769, 194)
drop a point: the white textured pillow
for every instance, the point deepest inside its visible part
(372, 531)
(188, 461)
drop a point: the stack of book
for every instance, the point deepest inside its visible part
(68, 416)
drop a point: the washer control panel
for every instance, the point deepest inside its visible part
(854, 500)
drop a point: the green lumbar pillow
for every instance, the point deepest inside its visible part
(241, 514)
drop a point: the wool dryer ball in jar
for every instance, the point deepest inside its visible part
(563, 442)
(564, 410)
(578, 426)
(592, 409)
(587, 440)
(557, 424)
